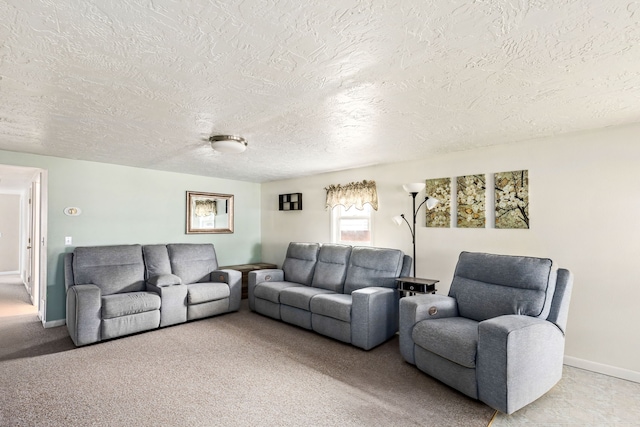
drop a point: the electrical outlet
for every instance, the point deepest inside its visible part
(68, 241)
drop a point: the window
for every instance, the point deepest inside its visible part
(352, 226)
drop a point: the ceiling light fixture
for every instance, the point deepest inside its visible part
(228, 143)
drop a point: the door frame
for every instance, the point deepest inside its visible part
(30, 183)
(27, 202)
(39, 261)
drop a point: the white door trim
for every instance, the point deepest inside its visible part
(42, 243)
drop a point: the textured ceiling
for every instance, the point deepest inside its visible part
(313, 86)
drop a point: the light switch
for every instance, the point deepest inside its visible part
(68, 241)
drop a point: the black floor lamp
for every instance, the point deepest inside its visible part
(431, 202)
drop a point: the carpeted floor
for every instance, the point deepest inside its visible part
(239, 369)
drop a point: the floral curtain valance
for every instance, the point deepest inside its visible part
(205, 207)
(352, 194)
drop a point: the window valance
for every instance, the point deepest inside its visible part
(352, 194)
(206, 207)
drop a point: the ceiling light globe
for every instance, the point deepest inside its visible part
(228, 143)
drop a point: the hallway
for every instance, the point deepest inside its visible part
(14, 300)
(21, 332)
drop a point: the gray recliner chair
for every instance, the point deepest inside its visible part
(499, 335)
(107, 296)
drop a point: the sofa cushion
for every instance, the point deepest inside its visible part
(300, 296)
(126, 303)
(193, 263)
(300, 262)
(270, 291)
(336, 306)
(331, 267)
(454, 338)
(198, 293)
(156, 260)
(508, 285)
(373, 267)
(113, 269)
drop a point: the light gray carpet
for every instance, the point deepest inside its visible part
(239, 369)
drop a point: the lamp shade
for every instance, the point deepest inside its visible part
(228, 143)
(415, 187)
(397, 219)
(432, 202)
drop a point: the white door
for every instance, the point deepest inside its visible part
(33, 247)
(28, 264)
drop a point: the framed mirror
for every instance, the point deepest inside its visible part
(209, 213)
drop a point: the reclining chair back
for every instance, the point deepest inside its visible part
(489, 285)
(331, 267)
(373, 267)
(114, 269)
(193, 263)
(300, 262)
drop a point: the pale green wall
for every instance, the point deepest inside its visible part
(125, 205)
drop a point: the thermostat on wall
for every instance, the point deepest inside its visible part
(72, 211)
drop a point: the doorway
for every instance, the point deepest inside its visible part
(28, 187)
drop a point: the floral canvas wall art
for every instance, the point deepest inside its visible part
(440, 216)
(512, 199)
(471, 201)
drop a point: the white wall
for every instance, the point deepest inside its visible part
(9, 233)
(584, 205)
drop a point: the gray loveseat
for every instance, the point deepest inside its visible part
(499, 334)
(119, 290)
(344, 292)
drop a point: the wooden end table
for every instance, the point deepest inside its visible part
(245, 269)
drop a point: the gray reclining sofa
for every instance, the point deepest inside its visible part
(119, 290)
(344, 292)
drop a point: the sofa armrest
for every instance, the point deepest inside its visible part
(519, 359)
(420, 307)
(259, 276)
(374, 316)
(68, 270)
(234, 279)
(163, 280)
(84, 314)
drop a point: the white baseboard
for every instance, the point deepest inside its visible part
(600, 368)
(54, 323)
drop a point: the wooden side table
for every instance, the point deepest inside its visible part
(245, 269)
(416, 285)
